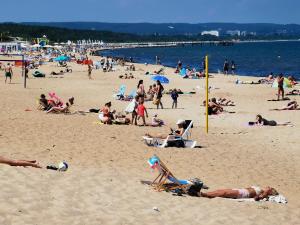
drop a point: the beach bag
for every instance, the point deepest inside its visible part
(176, 144)
(156, 101)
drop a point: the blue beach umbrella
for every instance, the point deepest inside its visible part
(61, 58)
(162, 79)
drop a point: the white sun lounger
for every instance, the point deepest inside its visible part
(163, 143)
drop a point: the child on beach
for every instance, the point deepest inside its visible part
(134, 112)
(141, 110)
(90, 71)
(280, 80)
(156, 122)
(174, 96)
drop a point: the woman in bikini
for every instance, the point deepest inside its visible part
(105, 115)
(251, 192)
(140, 89)
(293, 105)
(11, 162)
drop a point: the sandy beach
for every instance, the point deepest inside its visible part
(107, 163)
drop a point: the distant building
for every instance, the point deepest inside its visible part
(234, 32)
(211, 32)
(12, 46)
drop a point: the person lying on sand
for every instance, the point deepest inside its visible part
(268, 80)
(11, 162)
(59, 73)
(126, 76)
(260, 121)
(225, 102)
(290, 106)
(178, 133)
(251, 192)
(294, 92)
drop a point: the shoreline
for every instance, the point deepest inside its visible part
(275, 63)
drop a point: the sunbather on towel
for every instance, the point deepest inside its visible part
(24, 163)
(225, 102)
(178, 133)
(251, 192)
(290, 106)
(294, 92)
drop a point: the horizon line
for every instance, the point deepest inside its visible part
(151, 22)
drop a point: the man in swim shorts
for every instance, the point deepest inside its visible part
(8, 73)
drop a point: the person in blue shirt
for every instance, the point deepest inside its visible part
(174, 96)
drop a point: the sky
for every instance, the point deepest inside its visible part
(156, 11)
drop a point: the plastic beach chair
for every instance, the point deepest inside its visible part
(174, 141)
(166, 181)
(121, 92)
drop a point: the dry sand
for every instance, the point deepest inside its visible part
(102, 185)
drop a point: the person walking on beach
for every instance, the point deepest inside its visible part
(226, 67)
(204, 64)
(280, 80)
(8, 72)
(174, 96)
(141, 110)
(159, 92)
(134, 114)
(233, 67)
(90, 69)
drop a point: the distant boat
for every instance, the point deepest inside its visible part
(171, 27)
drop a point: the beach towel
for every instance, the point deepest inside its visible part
(182, 72)
(280, 199)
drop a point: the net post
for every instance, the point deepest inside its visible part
(207, 90)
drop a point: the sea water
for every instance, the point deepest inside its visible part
(251, 58)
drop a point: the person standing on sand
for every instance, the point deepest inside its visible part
(174, 96)
(280, 80)
(226, 67)
(8, 72)
(90, 71)
(141, 110)
(159, 92)
(233, 67)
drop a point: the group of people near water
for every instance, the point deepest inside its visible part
(229, 67)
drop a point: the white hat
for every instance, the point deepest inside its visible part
(180, 122)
